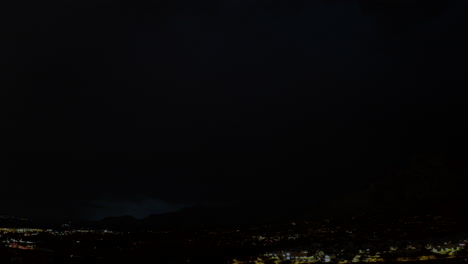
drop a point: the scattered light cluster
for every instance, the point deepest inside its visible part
(446, 250)
(401, 240)
(20, 230)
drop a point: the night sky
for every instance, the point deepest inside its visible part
(117, 107)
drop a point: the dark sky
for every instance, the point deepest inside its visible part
(138, 107)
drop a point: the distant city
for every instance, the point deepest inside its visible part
(354, 239)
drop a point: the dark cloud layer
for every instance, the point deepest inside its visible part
(139, 107)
